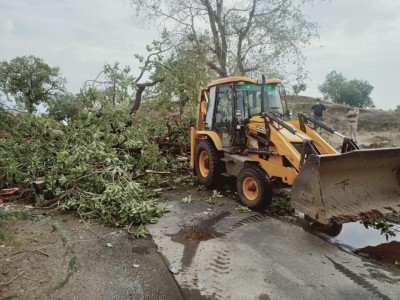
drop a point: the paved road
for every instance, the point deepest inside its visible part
(224, 254)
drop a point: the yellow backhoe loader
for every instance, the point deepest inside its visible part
(245, 130)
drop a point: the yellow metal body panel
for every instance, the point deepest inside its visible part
(192, 146)
(201, 108)
(212, 135)
(274, 167)
(281, 141)
(318, 141)
(195, 135)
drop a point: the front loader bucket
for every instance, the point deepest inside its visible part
(347, 187)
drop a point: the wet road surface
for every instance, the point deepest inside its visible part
(220, 253)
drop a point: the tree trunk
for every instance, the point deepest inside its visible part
(139, 92)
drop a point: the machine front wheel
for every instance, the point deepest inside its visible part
(254, 188)
(207, 164)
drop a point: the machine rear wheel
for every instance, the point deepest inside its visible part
(207, 164)
(254, 188)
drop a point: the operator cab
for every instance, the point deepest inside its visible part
(249, 101)
(233, 101)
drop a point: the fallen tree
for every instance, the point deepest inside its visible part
(93, 167)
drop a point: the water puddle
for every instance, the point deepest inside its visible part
(201, 231)
(197, 233)
(191, 236)
(366, 242)
(357, 236)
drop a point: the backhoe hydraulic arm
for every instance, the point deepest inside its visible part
(279, 121)
(306, 116)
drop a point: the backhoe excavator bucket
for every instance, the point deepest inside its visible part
(347, 187)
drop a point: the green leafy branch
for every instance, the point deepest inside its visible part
(381, 224)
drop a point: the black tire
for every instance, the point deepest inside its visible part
(208, 165)
(254, 188)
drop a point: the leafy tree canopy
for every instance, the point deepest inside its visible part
(354, 92)
(30, 81)
(183, 72)
(236, 37)
(65, 107)
(298, 88)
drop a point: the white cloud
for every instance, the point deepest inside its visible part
(359, 38)
(78, 36)
(8, 25)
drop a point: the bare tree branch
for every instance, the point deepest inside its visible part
(139, 92)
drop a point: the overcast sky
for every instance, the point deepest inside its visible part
(358, 38)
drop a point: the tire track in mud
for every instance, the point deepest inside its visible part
(190, 236)
(248, 220)
(359, 280)
(218, 265)
(218, 268)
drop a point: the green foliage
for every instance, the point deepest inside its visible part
(25, 147)
(185, 180)
(242, 209)
(354, 92)
(298, 88)
(73, 263)
(201, 187)
(88, 169)
(154, 180)
(187, 199)
(30, 81)
(381, 224)
(141, 231)
(184, 73)
(65, 107)
(281, 202)
(215, 199)
(151, 158)
(113, 85)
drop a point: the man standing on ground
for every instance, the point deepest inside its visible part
(318, 112)
(318, 109)
(352, 119)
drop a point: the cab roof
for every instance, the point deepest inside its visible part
(240, 79)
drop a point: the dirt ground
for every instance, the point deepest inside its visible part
(368, 140)
(113, 264)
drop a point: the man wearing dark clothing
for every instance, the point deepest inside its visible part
(318, 109)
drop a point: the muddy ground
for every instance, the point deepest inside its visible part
(113, 264)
